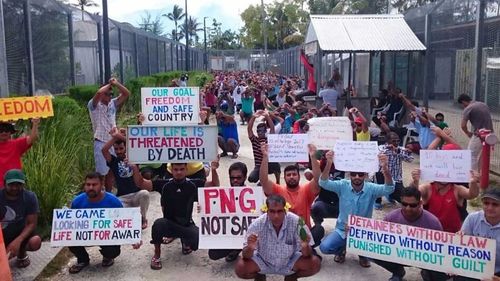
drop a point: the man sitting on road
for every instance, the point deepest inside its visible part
(18, 216)
(127, 176)
(228, 134)
(274, 245)
(94, 196)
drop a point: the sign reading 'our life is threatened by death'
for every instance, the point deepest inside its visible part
(172, 105)
(171, 144)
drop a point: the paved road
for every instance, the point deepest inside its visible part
(134, 264)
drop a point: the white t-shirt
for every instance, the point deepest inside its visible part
(236, 95)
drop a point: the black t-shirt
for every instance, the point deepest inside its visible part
(14, 218)
(123, 176)
(177, 198)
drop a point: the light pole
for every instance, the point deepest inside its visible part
(186, 31)
(105, 34)
(205, 55)
(264, 33)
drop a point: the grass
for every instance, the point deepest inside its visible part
(55, 265)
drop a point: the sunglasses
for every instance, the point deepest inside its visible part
(412, 205)
(358, 174)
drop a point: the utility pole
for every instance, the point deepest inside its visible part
(264, 33)
(186, 31)
(105, 33)
(479, 50)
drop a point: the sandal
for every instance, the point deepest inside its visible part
(144, 223)
(340, 258)
(77, 267)
(107, 262)
(156, 263)
(168, 240)
(23, 262)
(234, 156)
(186, 250)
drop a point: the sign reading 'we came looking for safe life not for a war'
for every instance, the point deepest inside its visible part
(451, 253)
(171, 105)
(93, 227)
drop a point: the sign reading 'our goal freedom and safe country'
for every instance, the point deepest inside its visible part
(171, 144)
(174, 106)
(452, 253)
(226, 213)
(93, 227)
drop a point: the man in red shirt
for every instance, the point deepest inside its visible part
(11, 150)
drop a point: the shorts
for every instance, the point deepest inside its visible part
(267, 268)
(101, 166)
(247, 115)
(238, 107)
(12, 232)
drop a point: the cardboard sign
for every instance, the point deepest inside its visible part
(325, 131)
(175, 144)
(356, 156)
(226, 213)
(173, 106)
(288, 147)
(92, 227)
(463, 255)
(25, 108)
(445, 165)
(4, 262)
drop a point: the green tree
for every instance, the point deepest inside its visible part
(85, 3)
(150, 24)
(176, 16)
(193, 27)
(322, 7)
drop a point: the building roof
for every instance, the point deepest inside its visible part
(362, 33)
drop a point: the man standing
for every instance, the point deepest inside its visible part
(94, 196)
(103, 108)
(274, 245)
(11, 150)
(127, 176)
(485, 223)
(478, 114)
(356, 198)
(299, 196)
(412, 213)
(18, 216)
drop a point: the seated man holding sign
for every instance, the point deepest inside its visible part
(277, 242)
(94, 196)
(356, 198)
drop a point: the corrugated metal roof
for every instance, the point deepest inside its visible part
(358, 33)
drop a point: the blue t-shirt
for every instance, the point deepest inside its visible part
(109, 201)
(425, 135)
(228, 131)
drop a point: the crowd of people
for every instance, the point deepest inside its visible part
(267, 103)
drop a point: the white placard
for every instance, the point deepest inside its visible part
(356, 156)
(451, 253)
(325, 131)
(93, 227)
(171, 144)
(288, 148)
(171, 105)
(445, 165)
(226, 213)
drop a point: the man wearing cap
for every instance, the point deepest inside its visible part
(11, 149)
(103, 108)
(18, 217)
(485, 223)
(361, 129)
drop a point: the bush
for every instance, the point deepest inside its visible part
(83, 93)
(56, 164)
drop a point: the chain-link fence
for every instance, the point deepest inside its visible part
(50, 46)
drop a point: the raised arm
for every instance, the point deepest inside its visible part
(115, 135)
(214, 165)
(315, 169)
(33, 137)
(101, 92)
(267, 184)
(384, 165)
(325, 174)
(124, 92)
(139, 181)
(473, 190)
(407, 102)
(269, 122)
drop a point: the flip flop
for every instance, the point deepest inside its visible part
(340, 258)
(144, 223)
(107, 262)
(186, 250)
(155, 263)
(77, 267)
(23, 262)
(168, 240)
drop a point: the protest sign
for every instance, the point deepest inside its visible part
(325, 131)
(25, 108)
(356, 156)
(92, 227)
(226, 213)
(172, 144)
(447, 252)
(173, 106)
(4, 262)
(445, 165)
(288, 147)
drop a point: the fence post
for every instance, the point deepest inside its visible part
(99, 46)
(71, 49)
(136, 56)
(4, 78)
(120, 49)
(479, 49)
(148, 56)
(29, 46)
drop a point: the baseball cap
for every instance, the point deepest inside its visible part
(358, 120)
(6, 126)
(492, 192)
(14, 175)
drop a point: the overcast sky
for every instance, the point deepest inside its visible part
(225, 11)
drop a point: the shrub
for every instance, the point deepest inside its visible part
(83, 93)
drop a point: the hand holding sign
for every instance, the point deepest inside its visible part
(312, 150)
(265, 151)
(252, 241)
(383, 160)
(329, 156)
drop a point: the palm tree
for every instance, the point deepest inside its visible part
(85, 3)
(193, 28)
(176, 15)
